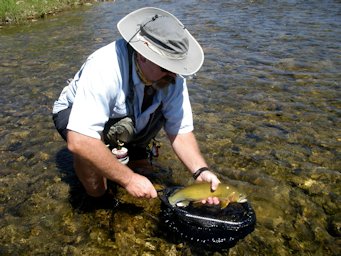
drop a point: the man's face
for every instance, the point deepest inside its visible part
(154, 73)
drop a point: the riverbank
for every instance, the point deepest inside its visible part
(22, 11)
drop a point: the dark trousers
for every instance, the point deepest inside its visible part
(138, 147)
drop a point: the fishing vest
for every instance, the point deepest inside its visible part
(127, 123)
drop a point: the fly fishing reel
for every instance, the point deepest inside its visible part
(207, 226)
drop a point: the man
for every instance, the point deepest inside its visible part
(105, 103)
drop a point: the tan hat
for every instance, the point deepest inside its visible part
(161, 38)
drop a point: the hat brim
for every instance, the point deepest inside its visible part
(130, 25)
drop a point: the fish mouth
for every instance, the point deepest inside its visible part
(242, 199)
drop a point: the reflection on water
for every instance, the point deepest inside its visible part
(267, 115)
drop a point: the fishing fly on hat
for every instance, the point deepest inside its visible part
(161, 38)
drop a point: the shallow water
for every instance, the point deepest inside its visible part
(267, 116)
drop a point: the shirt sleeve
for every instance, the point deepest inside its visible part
(91, 106)
(177, 109)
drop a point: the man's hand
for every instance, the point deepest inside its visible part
(213, 179)
(210, 177)
(140, 186)
(187, 149)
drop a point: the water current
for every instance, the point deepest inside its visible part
(267, 115)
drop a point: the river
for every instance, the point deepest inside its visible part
(267, 113)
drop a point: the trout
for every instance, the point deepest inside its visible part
(200, 191)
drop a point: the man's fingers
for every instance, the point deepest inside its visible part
(214, 183)
(211, 200)
(154, 194)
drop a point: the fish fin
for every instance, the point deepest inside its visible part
(224, 203)
(182, 203)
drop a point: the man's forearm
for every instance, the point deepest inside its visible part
(186, 148)
(99, 157)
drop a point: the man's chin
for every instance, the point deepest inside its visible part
(164, 82)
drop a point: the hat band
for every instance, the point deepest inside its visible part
(151, 46)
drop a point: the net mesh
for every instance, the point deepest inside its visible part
(207, 226)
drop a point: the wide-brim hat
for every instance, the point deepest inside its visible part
(161, 38)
